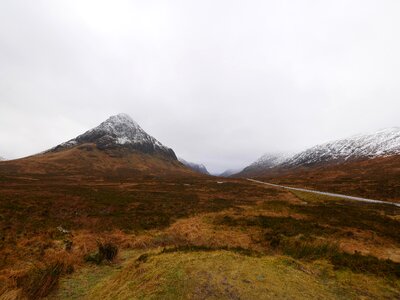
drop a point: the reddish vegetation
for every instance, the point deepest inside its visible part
(87, 161)
(377, 178)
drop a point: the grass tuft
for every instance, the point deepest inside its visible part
(39, 282)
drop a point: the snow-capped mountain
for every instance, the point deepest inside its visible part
(119, 131)
(385, 142)
(200, 168)
(382, 143)
(2, 158)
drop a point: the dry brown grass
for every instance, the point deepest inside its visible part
(196, 231)
(147, 214)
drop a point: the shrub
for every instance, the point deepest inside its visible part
(106, 251)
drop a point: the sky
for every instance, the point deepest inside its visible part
(220, 82)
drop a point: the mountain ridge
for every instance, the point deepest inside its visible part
(382, 143)
(385, 142)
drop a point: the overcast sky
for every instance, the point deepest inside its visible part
(220, 82)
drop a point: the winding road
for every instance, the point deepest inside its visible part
(327, 194)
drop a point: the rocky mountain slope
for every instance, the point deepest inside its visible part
(199, 168)
(119, 131)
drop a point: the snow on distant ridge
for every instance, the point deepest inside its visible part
(195, 167)
(384, 142)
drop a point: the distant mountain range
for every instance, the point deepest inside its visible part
(200, 168)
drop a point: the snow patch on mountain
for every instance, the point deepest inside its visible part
(200, 168)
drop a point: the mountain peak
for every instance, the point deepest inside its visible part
(121, 118)
(119, 131)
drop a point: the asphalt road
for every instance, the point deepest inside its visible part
(327, 194)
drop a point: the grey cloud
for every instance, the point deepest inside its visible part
(221, 82)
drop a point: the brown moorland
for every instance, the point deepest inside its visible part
(83, 236)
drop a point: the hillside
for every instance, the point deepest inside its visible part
(382, 143)
(377, 178)
(87, 160)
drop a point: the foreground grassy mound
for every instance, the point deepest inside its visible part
(222, 275)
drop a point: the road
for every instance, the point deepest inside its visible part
(327, 194)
